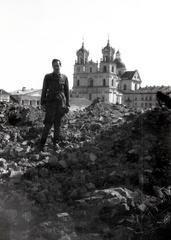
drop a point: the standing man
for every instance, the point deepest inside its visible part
(54, 101)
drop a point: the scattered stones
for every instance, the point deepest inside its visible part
(106, 147)
(44, 173)
(63, 163)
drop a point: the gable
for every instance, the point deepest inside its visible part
(3, 92)
(136, 76)
(131, 75)
(128, 75)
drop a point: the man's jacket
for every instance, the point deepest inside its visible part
(55, 87)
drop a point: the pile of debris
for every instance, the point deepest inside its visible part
(114, 164)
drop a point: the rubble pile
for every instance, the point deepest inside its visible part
(17, 115)
(114, 165)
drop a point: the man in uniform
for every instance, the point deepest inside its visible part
(54, 101)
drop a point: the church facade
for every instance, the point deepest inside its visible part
(107, 80)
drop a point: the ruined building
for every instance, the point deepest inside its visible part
(108, 80)
(26, 96)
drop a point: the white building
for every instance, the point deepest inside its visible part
(105, 80)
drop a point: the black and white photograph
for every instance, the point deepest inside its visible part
(85, 120)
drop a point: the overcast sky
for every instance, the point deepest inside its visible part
(33, 32)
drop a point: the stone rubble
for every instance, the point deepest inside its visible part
(114, 164)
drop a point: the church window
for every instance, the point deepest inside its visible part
(91, 82)
(90, 69)
(112, 82)
(78, 83)
(80, 60)
(104, 82)
(135, 86)
(78, 69)
(124, 86)
(112, 68)
(104, 69)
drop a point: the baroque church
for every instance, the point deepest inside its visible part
(108, 80)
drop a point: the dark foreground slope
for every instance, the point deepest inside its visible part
(109, 179)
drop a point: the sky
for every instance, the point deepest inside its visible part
(33, 32)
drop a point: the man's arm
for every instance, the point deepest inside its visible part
(66, 91)
(44, 91)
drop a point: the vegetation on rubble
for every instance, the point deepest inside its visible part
(112, 173)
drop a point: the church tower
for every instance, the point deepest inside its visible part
(82, 55)
(106, 63)
(80, 66)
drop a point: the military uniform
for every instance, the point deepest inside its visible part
(55, 96)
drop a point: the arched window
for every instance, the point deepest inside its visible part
(104, 82)
(104, 69)
(80, 60)
(90, 69)
(90, 82)
(78, 83)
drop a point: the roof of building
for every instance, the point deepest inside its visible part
(25, 91)
(128, 75)
(154, 89)
(3, 92)
(148, 90)
(119, 63)
(108, 47)
(82, 49)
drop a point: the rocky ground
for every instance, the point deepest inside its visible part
(109, 179)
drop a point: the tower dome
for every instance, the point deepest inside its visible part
(108, 52)
(82, 55)
(118, 61)
(82, 49)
